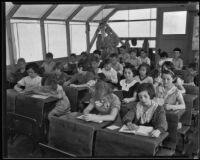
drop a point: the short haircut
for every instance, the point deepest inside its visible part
(133, 50)
(107, 61)
(58, 65)
(147, 87)
(131, 67)
(169, 65)
(51, 80)
(164, 54)
(113, 55)
(83, 53)
(94, 59)
(49, 55)
(146, 66)
(124, 47)
(33, 66)
(21, 60)
(73, 55)
(155, 73)
(169, 72)
(97, 52)
(177, 49)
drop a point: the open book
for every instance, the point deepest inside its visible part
(40, 96)
(81, 117)
(142, 130)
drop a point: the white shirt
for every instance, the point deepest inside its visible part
(111, 75)
(148, 79)
(125, 86)
(29, 82)
(145, 60)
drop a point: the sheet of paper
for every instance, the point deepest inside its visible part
(112, 127)
(40, 96)
(81, 117)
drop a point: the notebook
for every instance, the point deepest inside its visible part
(40, 96)
(81, 117)
(142, 130)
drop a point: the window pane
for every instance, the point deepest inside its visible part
(120, 15)
(152, 44)
(103, 14)
(93, 28)
(78, 38)
(56, 42)
(136, 14)
(7, 51)
(142, 29)
(28, 40)
(120, 28)
(174, 22)
(94, 46)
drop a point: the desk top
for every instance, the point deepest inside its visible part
(177, 113)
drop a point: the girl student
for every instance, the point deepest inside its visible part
(30, 82)
(167, 94)
(105, 102)
(143, 76)
(177, 81)
(147, 112)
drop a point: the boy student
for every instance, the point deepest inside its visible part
(48, 64)
(30, 82)
(115, 64)
(178, 62)
(143, 57)
(123, 56)
(72, 63)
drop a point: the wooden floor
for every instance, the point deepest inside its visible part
(22, 147)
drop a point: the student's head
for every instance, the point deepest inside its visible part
(155, 74)
(122, 49)
(72, 57)
(107, 64)
(129, 71)
(142, 53)
(168, 77)
(21, 63)
(94, 62)
(168, 65)
(163, 55)
(144, 69)
(133, 53)
(57, 68)
(97, 53)
(80, 67)
(114, 58)
(50, 83)
(32, 69)
(146, 93)
(192, 67)
(177, 52)
(102, 89)
(49, 57)
(84, 55)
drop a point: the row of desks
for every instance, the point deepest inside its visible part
(94, 139)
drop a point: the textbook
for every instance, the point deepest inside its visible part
(142, 130)
(81, 117)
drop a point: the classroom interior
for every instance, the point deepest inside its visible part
(73, 36)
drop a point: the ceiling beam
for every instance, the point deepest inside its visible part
(74, 13)
(48, 12)
(109, 15)
(12, 11)
(95, 14)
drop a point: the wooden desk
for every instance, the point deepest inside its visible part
(115, 144)
(73, 135)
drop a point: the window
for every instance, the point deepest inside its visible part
(174, 22)
(93, 28)
(7, 51)
(77, 37)
(27, 37)
(55, 35)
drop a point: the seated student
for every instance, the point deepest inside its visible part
(13, 78)
(134, 60)
(115, 64)
(143, 57)
(105, 102)
(72, 63)
(60, 76)
(81, 78)
(191, 73)
(163, 58)
(167, 94)
(177, 81)
(30, 82)
(147, 112)
(109, 72)
(48, 64)
(124, 56)
(178, 62)
(129, 85)
(156, 75)
(53, 89)
(95, 65)
(143, 77)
